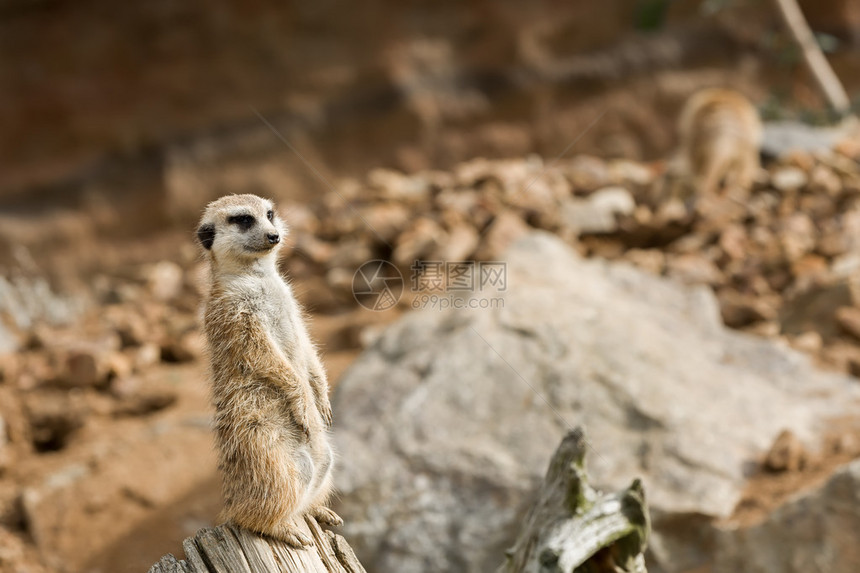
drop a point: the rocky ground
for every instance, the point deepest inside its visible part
(114, 379)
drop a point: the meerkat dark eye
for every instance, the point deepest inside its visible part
(244, 222)
(270, 215)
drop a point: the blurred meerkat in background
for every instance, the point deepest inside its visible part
(720, 137)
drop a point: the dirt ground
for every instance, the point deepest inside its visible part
(107, 461)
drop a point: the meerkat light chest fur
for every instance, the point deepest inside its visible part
(269, 387)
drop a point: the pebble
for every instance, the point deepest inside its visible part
(788, 179)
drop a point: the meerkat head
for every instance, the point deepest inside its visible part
(240, 228)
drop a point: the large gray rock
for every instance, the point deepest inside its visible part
(445, 425)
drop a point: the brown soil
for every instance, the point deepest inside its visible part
(768, 489)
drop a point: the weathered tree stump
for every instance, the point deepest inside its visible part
(228, 549)
(574, 528)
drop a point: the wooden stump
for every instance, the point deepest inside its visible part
(575, 528)
(228, 549)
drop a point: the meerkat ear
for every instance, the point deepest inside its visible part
(206, 235)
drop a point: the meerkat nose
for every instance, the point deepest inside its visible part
(274, 238)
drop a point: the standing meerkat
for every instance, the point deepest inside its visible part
(269, 387)
(720, 133)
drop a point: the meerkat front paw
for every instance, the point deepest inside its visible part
(326, 516)
(292, 536)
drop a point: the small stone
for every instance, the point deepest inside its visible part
(810, 342)
(626, 171)
(840, 353)
(368, 335)
(300, 219)
(183, 348)
(848, 318)
(670, 213)
(506, 228)
(846, 265)
(809, 267)
(10, 366)
(82, 369)
(817, 205)
(118, 365)
(396, 186)
(614, 200)
(797, 235)
(148, 355)
(459, 244)
(603, 247)
(387, 220)
(823, 180)
(125, 386)
(416, 243)
(800, 158)
(132, 330)
(741, 310)
(832, 244)
(539, 194)
(787, 454)
(597, 213)
(651, 260)
(9, 342)
(764, 329)
(141, 404)
(643, 215)
(848, 147)
(788, 179)
(464, 202)
(694, 269)
(340, 280)
(586, 173)
(351, 254)
(688, 244)
(86, 364)
(733, 241)
(164, 280)
(320, 252)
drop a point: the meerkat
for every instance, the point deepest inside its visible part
(721, 134)
(269, 387)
